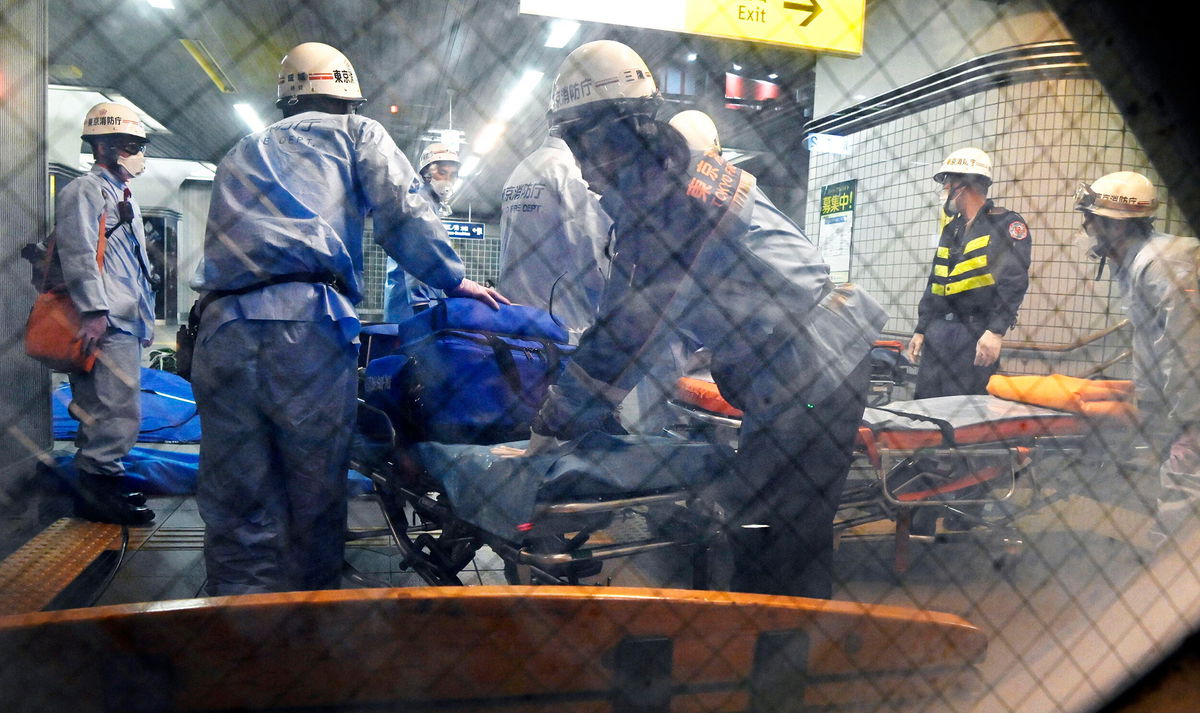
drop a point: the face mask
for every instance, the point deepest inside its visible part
(134, 165)
(948, 196)
(443, 188)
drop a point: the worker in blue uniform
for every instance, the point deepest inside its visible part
(700, 253)
(978, 279)
(274, 366)
(403, 294)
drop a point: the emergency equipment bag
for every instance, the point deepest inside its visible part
(52, 329)
(461, 372)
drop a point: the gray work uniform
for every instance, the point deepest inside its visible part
(274, 370)
(107, 400)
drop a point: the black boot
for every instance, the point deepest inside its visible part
(102, 498)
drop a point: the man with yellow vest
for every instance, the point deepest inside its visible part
(979, 277)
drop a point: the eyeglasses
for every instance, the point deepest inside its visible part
(132, 147)
(1085, 197)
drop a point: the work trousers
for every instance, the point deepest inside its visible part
(277, 404)
(947, 365)
(107, 401)
(783, 495)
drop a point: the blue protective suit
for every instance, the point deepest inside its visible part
(107, 398)
(274, 369)
(553, 238)
(1161, 283)
(402, 292)
(713, 261)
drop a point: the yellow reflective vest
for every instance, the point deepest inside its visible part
(980, 271)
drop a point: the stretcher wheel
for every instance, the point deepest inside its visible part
(436, 546)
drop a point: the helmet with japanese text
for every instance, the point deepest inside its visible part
(316, 69)
(698, 130)
(966, 162)
(1123, 195)
(110, 118)
(434, 153)
(600, 77)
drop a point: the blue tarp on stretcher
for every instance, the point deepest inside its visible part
(168, 410)
(499, 494)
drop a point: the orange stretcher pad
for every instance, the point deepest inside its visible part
(975, 419)
(1099, 400)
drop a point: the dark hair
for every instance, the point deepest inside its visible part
(290, 106)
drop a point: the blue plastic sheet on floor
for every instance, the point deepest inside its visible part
(497, 494)
(158, 472)
(168, 410)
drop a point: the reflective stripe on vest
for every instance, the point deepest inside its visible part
(970, 283)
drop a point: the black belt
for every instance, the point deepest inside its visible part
(316, 278)
(951, 317)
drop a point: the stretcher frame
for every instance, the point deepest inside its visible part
(871, 498)
(437, 545)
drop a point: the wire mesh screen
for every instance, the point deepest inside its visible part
(775, 421)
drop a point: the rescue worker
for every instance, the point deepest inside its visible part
(274, 366)
(403, 294)
(1159, 275)
(650, 411)
(978, 280)
(553, 238)
(116, 303)
(700, 253)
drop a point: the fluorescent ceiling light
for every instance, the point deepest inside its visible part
(772, 75)
(209, 65)
(451, 137)
(161, 4)
(691, 56)
(146, 118)
(518, 95)
(249, 116)
(488, 138)
(737, 67)
(561, 32)
(468, 167)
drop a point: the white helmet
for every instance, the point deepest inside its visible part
(969, 162)
(1121, 195)
(434, 153)
(698, 129)
(111, 118)
(315, 68)
(602, 74)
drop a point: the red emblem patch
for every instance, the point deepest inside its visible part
(1017, 230)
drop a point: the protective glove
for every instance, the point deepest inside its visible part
(91, 330)
(476, 291)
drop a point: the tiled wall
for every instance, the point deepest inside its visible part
(481, 258)
(1044, 137)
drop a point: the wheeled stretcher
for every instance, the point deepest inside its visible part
(552, 518)
(938, 468)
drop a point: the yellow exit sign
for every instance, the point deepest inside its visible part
(825, 25)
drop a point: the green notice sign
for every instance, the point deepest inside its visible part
(837, 227)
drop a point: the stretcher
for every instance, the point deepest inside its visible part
(938, 468)
(557, 520)
(552, 519)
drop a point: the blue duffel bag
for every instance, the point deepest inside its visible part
(461, 372)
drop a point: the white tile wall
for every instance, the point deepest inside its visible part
(1044, 137)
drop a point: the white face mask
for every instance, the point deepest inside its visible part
(442, 188)
(134, 165)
